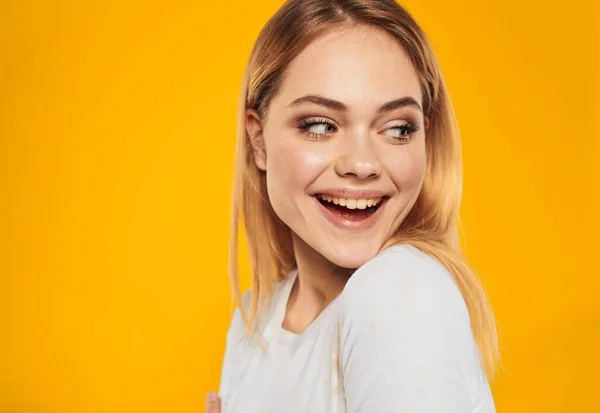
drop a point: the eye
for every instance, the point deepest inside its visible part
(317, 128)
(402, 132)
(321, 128)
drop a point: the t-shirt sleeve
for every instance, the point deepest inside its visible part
(406, 341)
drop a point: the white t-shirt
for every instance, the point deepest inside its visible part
(402, 333)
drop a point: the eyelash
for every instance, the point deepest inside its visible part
(307, 123)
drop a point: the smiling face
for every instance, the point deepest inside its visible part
(343, 144)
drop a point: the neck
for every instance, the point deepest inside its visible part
(318, 283)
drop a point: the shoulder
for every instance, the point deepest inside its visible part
(405, 337)
(400, 269)
(403, 281)
(238, 327)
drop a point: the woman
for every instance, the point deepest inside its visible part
(348, 180)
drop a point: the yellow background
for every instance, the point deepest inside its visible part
(117, 125)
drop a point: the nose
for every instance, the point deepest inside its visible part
(358, 158)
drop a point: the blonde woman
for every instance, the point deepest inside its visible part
(348, 182)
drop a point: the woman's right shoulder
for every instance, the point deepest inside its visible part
(238, 328)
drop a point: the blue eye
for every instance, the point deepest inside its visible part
(317, 127)
(321, 128)
(403, 131)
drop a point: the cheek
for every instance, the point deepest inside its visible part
(407, 168)
(292, 165)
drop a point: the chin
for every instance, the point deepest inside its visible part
(351, 256)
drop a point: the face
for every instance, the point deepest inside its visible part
(343, 144)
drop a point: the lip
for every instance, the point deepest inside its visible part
(352, 193)
(346, 224)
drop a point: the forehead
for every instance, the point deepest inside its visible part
(356, 66)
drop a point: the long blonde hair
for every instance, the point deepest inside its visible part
(431, 224)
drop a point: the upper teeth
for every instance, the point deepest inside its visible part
(351, 203)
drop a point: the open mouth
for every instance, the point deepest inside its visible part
(351, 209)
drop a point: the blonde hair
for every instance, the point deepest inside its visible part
(431, 224)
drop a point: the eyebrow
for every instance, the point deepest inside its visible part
(339, 106)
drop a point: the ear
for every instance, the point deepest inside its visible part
(254, 129)
(426, 123)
